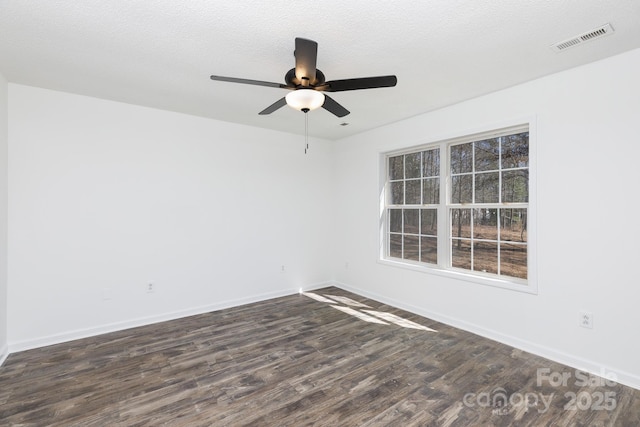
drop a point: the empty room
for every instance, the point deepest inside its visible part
(326, 213)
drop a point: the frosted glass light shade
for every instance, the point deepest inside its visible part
(305, 99)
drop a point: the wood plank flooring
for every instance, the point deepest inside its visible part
(299, 361)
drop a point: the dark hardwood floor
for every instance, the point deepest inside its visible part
(298, 361)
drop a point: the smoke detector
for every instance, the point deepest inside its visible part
(596, 33)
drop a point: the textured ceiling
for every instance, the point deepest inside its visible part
(160, 53)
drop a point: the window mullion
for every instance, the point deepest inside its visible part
(444, 216)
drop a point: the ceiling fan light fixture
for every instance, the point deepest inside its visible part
(305, 99)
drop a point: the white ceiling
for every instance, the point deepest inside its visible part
(160, 53)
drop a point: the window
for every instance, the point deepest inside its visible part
(414, 180)
(461, 206)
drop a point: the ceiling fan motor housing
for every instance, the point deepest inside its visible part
(292, 81)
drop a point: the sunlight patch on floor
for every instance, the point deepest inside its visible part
(371, 316)
(347, 301)
(359, 315)
(400, 321)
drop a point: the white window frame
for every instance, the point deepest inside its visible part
(444, 250)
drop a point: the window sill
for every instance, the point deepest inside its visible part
(518, 286)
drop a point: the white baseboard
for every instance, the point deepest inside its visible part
(4, 353)
(43, 341)
(570, 360)
(316, 286)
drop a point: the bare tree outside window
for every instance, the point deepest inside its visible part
(497, 176)
(414, 187)
(485, 210)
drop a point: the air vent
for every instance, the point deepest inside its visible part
(596, 33)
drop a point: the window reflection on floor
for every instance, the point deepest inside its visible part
(400, 321)
(371, 316)
(347, 301)
(359, 314)
(318, 297)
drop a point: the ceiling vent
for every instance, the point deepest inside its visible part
(596, 33)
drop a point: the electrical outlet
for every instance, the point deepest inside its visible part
(586, 319)
(282, 269)
(150, 287)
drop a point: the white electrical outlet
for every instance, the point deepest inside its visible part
(150, 287)
(586, 319)
(282, 269)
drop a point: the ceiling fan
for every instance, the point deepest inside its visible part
(307, 83)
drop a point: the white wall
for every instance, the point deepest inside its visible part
(587, 231)
(105, 197)
(4, 349)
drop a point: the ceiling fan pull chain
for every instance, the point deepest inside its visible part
(306, 132)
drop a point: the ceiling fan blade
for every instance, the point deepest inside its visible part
(360, 83)
(333, 107)
(249, 82)
(306, 54)
(273, 107)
